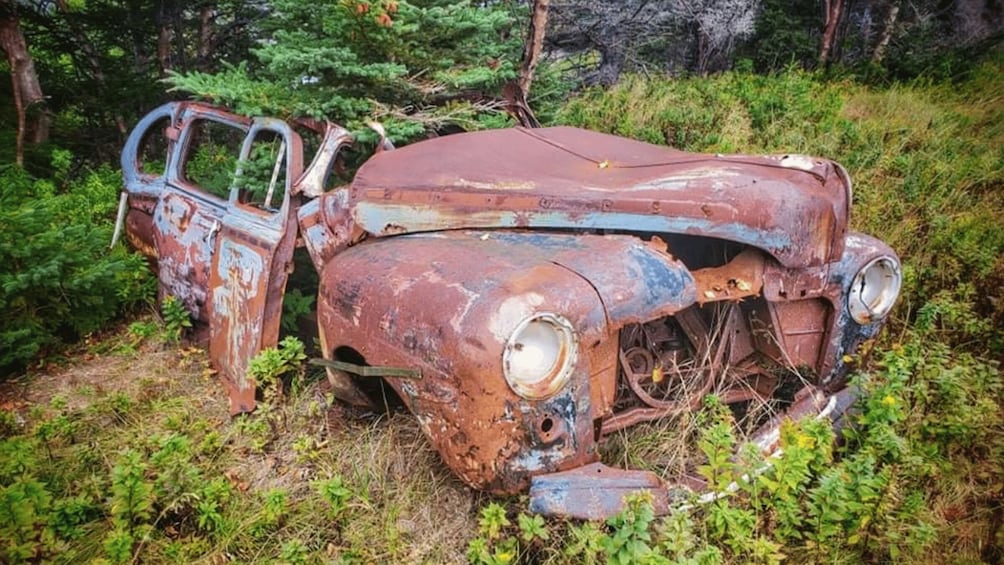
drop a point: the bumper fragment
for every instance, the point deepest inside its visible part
(596, 491)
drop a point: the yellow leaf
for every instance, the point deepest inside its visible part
(657, 375)
(805, 441)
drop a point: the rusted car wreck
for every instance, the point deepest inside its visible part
(524, 292)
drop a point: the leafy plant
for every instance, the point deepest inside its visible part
(492, 521)
(293, 552)
(213, 498)
(294, 305)
(335, 493)
(270, 365)
(631, 538)
(273, 512)
(584, 543)
(131, 506)
(24, 509)
(176, 318)
(492, 547)
(140, 331)
(532, 528)
(58, 280)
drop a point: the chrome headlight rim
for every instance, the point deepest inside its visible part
(561, 361)
(874, 290)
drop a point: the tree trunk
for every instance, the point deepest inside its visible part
(833, 11)
(611, 64)
(702, 50)
(534, 45)
(164, 48)
(205, 37)
(29, 102)
(883, 43)
(180, 48)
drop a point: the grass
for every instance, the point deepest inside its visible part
(124, 396)
(125, 452)
(303, 481)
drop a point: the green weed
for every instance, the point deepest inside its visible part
(176, 318)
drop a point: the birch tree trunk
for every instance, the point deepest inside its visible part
(890, 26)
(205, 50)
(833, 10)
(29, 102)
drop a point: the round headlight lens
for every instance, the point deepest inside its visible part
(874, 290)
(540, 356)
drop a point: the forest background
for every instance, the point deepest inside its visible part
(113, 447)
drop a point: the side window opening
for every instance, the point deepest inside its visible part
(151, 158)
(262, 181)
(312, 135)
(311, 139)
(211, 156)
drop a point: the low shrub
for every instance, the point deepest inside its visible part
(58, 279)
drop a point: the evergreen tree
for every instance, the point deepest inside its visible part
(413, 65)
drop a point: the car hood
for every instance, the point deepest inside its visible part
(792, 206)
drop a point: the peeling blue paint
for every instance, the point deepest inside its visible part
(383, 218)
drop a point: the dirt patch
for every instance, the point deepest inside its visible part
(116, 363)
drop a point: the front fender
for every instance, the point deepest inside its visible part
(447, 303)
(846, 335)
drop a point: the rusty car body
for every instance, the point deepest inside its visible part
(526, 292)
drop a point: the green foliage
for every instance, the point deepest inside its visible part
(210, 508)
(492, 521)
(8, 424)
(412, 65)
(631, 539)
(24, 508)
(176, 477)
(272, 364)
(212, 165)
(335, 494)
(728, 113)
(494, 544)
(141, 330)
(176, 318)
(584, 543)
(294, 305)
(132, 496)
(787, 32)
(532, 528)
(293, 552)
(924, 415)
(58, 280)
(273, 512)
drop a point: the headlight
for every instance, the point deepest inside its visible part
(874, 290)
(540, 356)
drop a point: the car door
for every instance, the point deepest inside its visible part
(193, 200)
(253, 255)
(145, 159)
